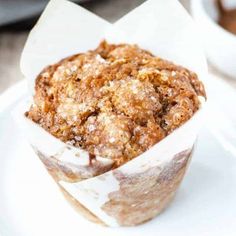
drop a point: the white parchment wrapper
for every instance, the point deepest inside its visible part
(162, 27)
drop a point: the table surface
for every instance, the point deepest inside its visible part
(11, 43)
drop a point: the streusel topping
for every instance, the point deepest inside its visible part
(115, 101)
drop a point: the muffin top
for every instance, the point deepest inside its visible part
(115, 101)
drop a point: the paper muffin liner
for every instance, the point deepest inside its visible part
(140, 189)
(129, 195)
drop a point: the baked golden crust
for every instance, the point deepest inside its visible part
(115, 101)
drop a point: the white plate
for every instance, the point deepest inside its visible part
(32, 205)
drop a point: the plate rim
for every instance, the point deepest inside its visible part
(12, 94)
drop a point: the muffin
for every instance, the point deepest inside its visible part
(115, 103)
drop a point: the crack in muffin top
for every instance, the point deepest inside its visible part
(115, 101)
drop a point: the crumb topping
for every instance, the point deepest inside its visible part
(115, 101)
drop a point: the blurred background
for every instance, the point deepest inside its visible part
(17, 17)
